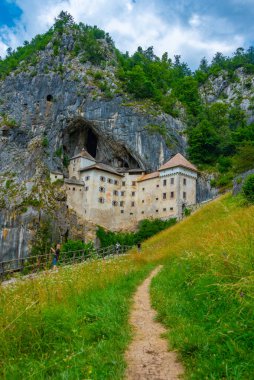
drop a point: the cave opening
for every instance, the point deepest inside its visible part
(91, 143)
(82, 134)
(49, 98)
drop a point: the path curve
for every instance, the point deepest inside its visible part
(148, 357)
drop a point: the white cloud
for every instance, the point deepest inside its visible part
(195, 20)
(130, 25)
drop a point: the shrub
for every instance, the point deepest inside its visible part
(77, 245)
(248, 188)
(45, 142)
(146, 229)
(187, 211)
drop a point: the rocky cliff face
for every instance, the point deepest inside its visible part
(50, 111)
(236, 91)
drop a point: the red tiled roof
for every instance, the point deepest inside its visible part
(148, 176)
(178, 160)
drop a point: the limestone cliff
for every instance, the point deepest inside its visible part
(50, 109)
(234, 91)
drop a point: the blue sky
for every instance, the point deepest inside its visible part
(191, 28)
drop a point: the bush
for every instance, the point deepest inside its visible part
(146, 229)
(77, 245)
(248, 188)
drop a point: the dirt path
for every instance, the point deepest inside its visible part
(148, 357)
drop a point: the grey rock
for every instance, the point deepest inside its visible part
(238, 181)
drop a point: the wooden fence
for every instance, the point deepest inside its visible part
(32, 264)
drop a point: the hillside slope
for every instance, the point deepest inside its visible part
(74, 323)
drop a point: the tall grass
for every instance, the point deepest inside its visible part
(204, 295)
(69, 325)
(74, 324)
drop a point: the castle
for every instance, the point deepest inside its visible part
(118, 198)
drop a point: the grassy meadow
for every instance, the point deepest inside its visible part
(74, 324)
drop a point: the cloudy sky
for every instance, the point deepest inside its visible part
(191, 28)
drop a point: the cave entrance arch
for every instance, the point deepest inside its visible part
(80, 135)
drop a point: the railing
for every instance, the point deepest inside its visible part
(33, 264)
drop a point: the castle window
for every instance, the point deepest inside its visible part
(184, 195)
(123, 183)
(55, 176)
(110, 180)
(121, 203)
(122, 211)
(73, 189)
(122, 193)
(172, 180)
(133, 183)
(114, 203)
(184, 181)
(69, 188)
(164, 195)
(156, 199)
(87, 178)
(157, 210)
(103, 179)
(164, 209)
(143, 189)
(115, 182)
(102, 189)
(171, 208)
(172, 194)
(86, 188)
(80, 189)
(133, 193)
(157, 185)
(132, 204)
(101, 200)
(143, 201)
(164, 182)
(142, 212)
(131, 213)
(115, 192)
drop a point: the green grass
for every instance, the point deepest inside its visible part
(204, 295)
(69, 325)
(74, 324)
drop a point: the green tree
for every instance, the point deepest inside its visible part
(244, 158)
(203, 143)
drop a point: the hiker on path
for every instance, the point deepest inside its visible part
(56, 253)
(117, 247)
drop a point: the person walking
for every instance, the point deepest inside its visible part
(117, 248)
(56, 253)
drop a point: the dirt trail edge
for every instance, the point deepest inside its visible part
(148, 357)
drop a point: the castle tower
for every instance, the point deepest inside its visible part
(183, 175)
